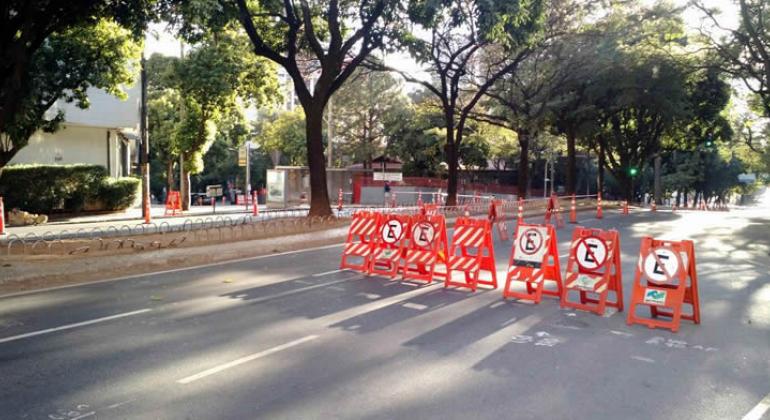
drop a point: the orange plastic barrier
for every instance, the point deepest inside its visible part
(594, 267)
(473, 238)
(173, 203)
(534, 260)
(553, 210)
(599, 213)
(573, 210)
(496, 217)
(429, 210)
(360, 241)
(426, 248)
(665, 278)
(389, 244)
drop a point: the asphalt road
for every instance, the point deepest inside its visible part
(291, 337)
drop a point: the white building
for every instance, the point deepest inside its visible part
(104, 134)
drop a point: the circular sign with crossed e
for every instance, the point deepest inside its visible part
(392, 231)
(591, 253)
(423, 234)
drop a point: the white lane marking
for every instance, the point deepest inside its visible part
(82, 416)
(295, 291)
(643, 359)
(326, 273)
(415, 306)
(120, 404)
(245, 359)
(759, 410)
(174, 270)
(70, 326)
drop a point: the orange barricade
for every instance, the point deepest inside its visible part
(594, 267)
(473, 238)
(360, 241)
(429, 210)
(426, 248)
(173, 203)
(534, 260)
(389, 244)
(665, 278)
(496, 217)
(553, 210)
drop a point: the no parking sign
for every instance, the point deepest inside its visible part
(530, 246)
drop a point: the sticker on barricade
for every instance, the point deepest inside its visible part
(534, 260)
(594, 270)
(389, 244)
(473, 239)
(426, 248)
(360, 241)
(665, 280)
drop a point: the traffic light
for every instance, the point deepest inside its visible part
(633, 171)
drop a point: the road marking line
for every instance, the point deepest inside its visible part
(295, 291)
(245, 359)
(415, 306)
(643, 359)
(70, 326)
(82, 416)
(326, 273)
(759, 410)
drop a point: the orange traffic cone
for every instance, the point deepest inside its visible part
(255, 206)
(654, 206)
(625, 207)
(2, 217)
(572, 210)
(599, 213)
(520, 216)
(339, 200)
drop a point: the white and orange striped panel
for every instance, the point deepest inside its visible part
(468, 236)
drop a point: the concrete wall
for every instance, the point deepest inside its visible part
(105, 111)
(76, 144)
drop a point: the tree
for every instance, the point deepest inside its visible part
(361, 107)
(54, 51)
(319, 44)
(462, 33)
(213, 80)
(285, 133)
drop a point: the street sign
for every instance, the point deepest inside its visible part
(591, 253)
(529, 247)
(243, 155)
(389, 176)
(423, 234)
(392, 231)
(214, 190)
(661, 265)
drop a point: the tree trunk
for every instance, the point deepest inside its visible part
(452, 160)
(571, 165)
(523, 170)
(600, 171)
(184, 185)
(657, 186)
(319, 196)
(169, 175)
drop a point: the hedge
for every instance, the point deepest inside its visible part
(65, 188)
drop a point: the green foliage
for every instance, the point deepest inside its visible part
(361, 108)
(117, 194)
(50, 188)
(285, 133)
(99, 54)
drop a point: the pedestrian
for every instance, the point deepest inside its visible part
(387, 193)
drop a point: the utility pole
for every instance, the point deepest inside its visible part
(144, 157)
(247, 182)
